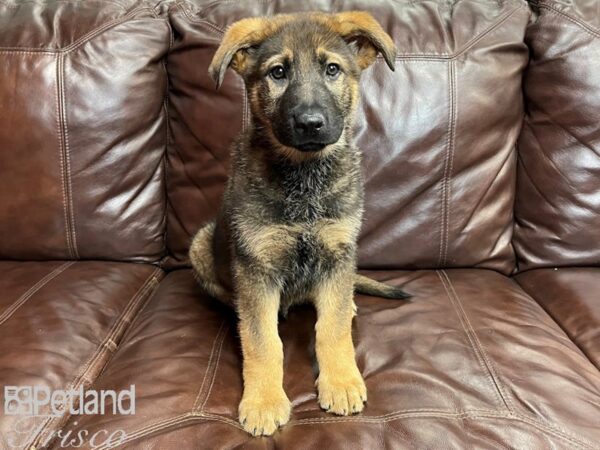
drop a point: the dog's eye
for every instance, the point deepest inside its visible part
(332, 70)
(277, 72)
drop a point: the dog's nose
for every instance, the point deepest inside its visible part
(309, 122)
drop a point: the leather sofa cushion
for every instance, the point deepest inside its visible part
(59, 324)
(557, 209)
(438, 134)
(471, 361)
(82, 131)
(572, 297)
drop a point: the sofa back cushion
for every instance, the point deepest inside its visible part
(82, 130)
(438, 134)
(557, 208)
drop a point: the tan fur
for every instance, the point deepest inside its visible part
(269, 243)
(202, 259)
(373, 39)
(340, 384)
(264, 405)
(338, 233)
(252, 31)
(239, 37)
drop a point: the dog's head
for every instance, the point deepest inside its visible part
(302, 71)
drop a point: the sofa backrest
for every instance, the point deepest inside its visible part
(89, 168)
(438, 135)
(82, 130)
(557, 210)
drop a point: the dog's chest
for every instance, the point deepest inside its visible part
(290, 214)
(306, 194)
(307, 262)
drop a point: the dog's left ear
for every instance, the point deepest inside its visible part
(236, 47)
(365, 34)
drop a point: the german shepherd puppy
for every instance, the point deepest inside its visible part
(292, 209)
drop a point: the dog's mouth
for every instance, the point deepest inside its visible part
(311, 147)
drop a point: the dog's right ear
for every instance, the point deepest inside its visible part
(366, 35)
(239, 38)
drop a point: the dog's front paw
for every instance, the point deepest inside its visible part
(342, 396)
(261, 413)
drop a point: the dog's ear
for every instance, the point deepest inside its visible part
(363, 32)
(237, 43)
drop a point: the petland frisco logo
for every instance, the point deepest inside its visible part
(40, 400)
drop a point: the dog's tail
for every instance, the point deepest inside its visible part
(368, 286)
(203, 261)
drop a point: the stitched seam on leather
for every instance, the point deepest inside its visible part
(445, 176)
(165, 252)
(82, 40)
(165, 165)
(417, 412)
(472, 415)
(61, 153)
(209, 365)
(439, 56)
(165, 424)
(124, 319)
(92, 34)
(587, 28)
(130, 308)
(148, 430)
(221, 2)
(32, 290)
(460, 415)
(172, 422)
(137, 298)
(110, 342)
(553, 429)
(101, 29)
(469, 45)
(472, 338)
(67, 159)
(443, 184)
(452, 69)
(488, 362)
(214, 374)
(490, 29)
(219, 30)
(469, 414)
(15, 5)
(214, 27)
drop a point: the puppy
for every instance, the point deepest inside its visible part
(291, 213)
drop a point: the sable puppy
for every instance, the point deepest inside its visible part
(292, 210)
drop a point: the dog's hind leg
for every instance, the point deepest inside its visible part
(203, 261)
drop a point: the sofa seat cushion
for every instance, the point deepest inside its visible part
(571, 296)
(59, 323)
(471, 361)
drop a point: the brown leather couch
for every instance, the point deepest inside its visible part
(482, 167)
